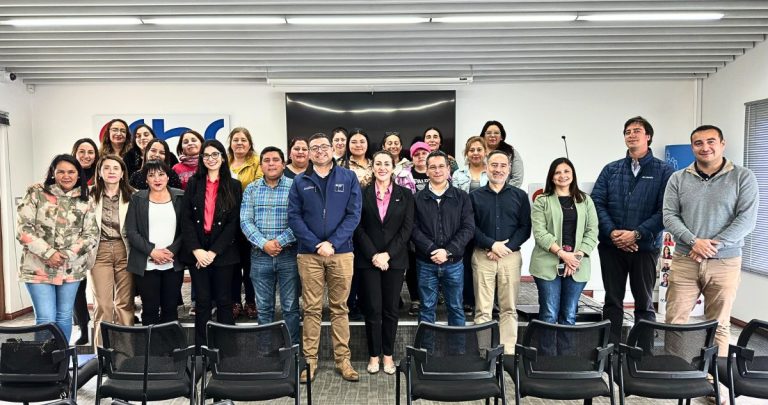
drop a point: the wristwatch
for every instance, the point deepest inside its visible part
(637, 235)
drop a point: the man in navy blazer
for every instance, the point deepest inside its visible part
(323, 212)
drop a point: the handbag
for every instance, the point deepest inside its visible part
(28, 357)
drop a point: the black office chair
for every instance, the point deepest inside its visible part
(563, 362)
(745, 370)
(453, 363)
(146, 363)
(669, 361)
(34, 365)
(252, 363)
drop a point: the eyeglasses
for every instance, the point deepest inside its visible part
(318, 148)
(437, 167)
(118, 131)
(214, 156)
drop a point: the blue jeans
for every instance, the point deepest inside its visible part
(267, 274)
(451, 277)
(54, 303)
(558, 301)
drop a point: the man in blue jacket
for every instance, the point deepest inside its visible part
(323, 212)
(628, 196)
(444, 223)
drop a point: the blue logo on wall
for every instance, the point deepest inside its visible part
(158, 125)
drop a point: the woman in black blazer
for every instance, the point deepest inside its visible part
(153, 228)
(381, 256)
(211, 221)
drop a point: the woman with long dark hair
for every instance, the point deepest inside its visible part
(564, 222)
(381, 241)
(188, 150)
(298, 157)
(134, 158)
(153, 226)
(57, 229)
(156, 149)
(86, 152)
(116, 139)
(358, 157)
(111, 283)
(495, 138)
(393, 143)
(211, 221)
(339, 142)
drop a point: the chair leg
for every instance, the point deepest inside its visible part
(397, 387)
(488, 401)
(587, 401)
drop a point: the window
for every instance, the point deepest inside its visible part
(755, 151)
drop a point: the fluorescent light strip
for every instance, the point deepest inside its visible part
(651, 16)
(219, 20)
(371, 110)
(76, 21)
(486, 18)
(356, 20)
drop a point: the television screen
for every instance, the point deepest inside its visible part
(406, 112)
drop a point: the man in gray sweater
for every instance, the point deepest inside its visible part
(709, 208)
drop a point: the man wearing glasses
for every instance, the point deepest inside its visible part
(323, 211)
(444, 224)
(628, 197)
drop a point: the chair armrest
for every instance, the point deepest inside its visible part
(288, 352)
(419, 354)
(211, 355)
(104, 356)
(632, 351)
(530, 353)
(183, 354)
(604, 352)
(740, 351)
(494, 352)
(58, 355)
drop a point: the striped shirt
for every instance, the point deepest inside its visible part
(264, 213)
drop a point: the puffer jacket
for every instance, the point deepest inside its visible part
(59, 221)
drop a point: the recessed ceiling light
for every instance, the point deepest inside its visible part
(651, 16)
(74, 21)
(357, 20)
(218, 20)
(478, 18)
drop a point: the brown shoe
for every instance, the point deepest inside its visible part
(250, 310)
(237, 308)
(347, 372)
(312, 369)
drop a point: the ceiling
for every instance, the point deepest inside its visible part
(485, 52)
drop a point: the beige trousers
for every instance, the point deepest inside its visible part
(112, 287)
(504, 276)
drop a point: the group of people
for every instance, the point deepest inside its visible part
(335, 214)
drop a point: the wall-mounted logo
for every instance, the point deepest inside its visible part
(171, 126)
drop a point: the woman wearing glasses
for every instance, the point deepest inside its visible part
(564, 222)
(116, 139)
(210, 223)
(495, 138)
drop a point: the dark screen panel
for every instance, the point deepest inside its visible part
(407, 112)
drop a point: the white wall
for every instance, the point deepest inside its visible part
(725, 93)
(535, 115)
(15, 153)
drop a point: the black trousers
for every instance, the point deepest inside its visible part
(80, 312)
(412, 277)
(242, 274)
(469, 282)
(212, 283)
(380, 296)
(160, 292)
(618, 265)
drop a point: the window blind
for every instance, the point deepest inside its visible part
(756, 159)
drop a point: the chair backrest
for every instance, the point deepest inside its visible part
(566, 351)
(666, 351)
(754, 338)
(456, 352)
(36, 353)
(159, 351)
(251, 352)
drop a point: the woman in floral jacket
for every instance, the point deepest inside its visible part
(57, 228)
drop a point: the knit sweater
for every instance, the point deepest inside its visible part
(723, 208)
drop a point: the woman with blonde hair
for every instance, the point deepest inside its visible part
(244, 164)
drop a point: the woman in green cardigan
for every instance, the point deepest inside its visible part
(564, 224)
